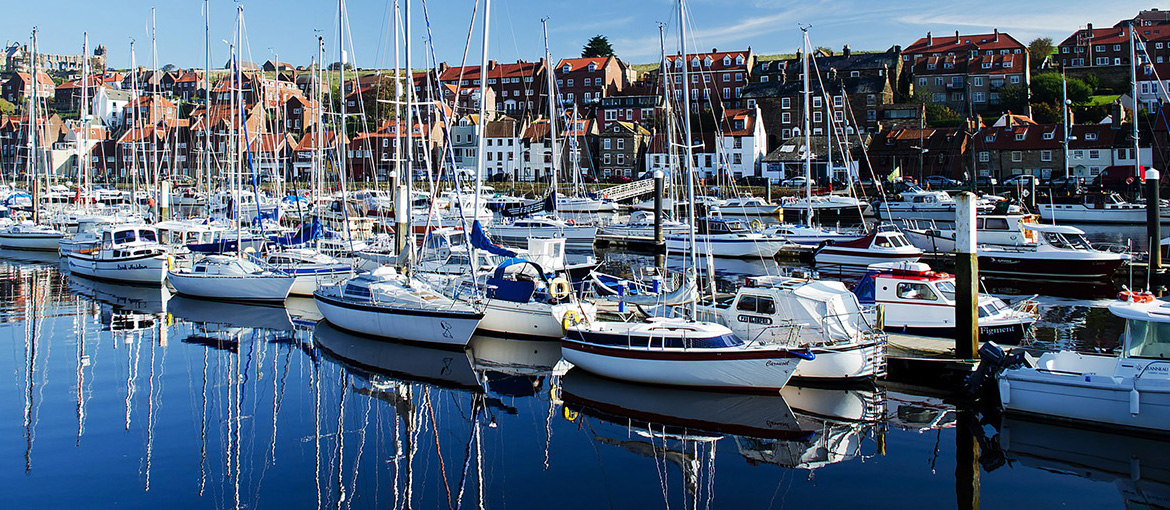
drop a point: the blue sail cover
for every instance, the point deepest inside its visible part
(548, 204)
(480, 241)
(306, 233)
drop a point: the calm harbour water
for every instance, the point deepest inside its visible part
(128, 397)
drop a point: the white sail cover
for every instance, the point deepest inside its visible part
(827, 304)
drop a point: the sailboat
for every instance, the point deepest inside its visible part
(679, 351)
(387, 304)
(32, 236)
(233, 277)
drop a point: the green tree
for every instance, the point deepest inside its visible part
(7, 108)
(936, 114)
(598, 46)
(169, 68)
(1046, 88)
(1014, 98)
(337, 65)
(1039, 49)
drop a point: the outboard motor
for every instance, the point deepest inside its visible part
(992, 360)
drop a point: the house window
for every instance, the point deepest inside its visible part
(786, 134)
(726, 76)
(1014, 79)
(817, 117)
(736, 159)
(1090, 136)
(607, 159)
(984, 156)
(977, 81)
(1094, 154)
(726, 93)
(816, 101)
(1017, 156)
(838, 101)
(786, 103)
(922, 82)
(1078, 154)
(1045, 155)
(764, 79)
(978, 97)
(621, 143)
(606, 143)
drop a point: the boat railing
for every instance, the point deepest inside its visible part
(1113, 247)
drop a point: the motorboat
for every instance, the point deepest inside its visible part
(1130, 390)
(825, 208)
(809, 235)
(818, 316)
(746, 206)
(231, 278)
(585, 204)
(725, 238)
(385, 304)
(919, 204)
(991, 229)
(311, 268)
(882, 245)
(85, 232)
(1098, 208)
(30, 236)
(122, 253)
(518, 232)
(1059, 252)
(919, 301)
(679, 352)
(641, 224)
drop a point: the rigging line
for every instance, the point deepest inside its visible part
(438, 448)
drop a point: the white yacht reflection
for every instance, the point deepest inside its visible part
(1139, 466)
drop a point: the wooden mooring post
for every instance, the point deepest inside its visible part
(966, 278)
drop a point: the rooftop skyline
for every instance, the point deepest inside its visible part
(289, 28)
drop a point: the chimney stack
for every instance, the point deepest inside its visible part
(845, 51)
(1090, 29)
(929, 39)
(997, 35)
(491, 65)
(957, 40)
(714, 50)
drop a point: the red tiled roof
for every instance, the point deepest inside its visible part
(513, 70)
(716, 60)
(576, 64)
(950, 43)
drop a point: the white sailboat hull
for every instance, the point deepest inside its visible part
(447, 328)
(576, 236)
(853, 361)
(146, 269)
(268, 288)
(719, 246)
(31, 242)
(766, 372)
(535, 321)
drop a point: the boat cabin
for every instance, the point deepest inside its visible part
(712, 226)
(130, 241)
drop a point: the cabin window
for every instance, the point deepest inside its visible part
(123, 236)
(996, 224)
(1146, 339)
(915, 290)
(947, 289)
(146, 236)
(757, 304)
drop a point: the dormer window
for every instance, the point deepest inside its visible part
(695, 63)
(726, 61)
(707, 61)
(1090, 136)
(739, 60)
(678, 64)
(566, 68)
(592, 66)
(1020, 137)
(1049, 135)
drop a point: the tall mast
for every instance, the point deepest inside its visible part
(32, 140)
(399, 216)
(83, 112)
(670, 157)
(154, 99)
(1137, 162)
(207, 103)
(1064, 111)
(340, 137)
(135, 125)
(238, 114)
(405, 172)
(807, 131)
(552, 110)
(688, 166)
(317, 168)
(480, 128)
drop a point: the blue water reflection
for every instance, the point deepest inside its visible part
(129, 397)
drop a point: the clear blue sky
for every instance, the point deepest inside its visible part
(769, 26)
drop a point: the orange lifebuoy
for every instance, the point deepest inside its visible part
(1144, 297)
(1124, 295)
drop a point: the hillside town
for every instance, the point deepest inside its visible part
(961, 105)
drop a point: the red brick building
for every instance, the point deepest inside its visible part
(715, 78)
(966, 72)
(519, 87)
(584, 81)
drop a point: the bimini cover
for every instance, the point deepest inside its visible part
(829, 304)
(481, 241)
